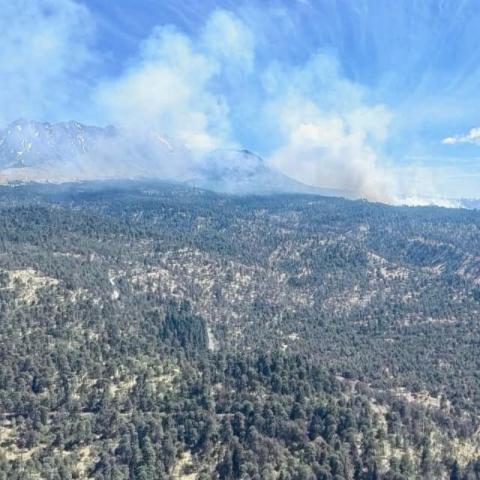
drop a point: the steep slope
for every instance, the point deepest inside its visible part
(243, 172)
(35, 144)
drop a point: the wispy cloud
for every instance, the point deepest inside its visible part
(45, 56)
(473, 136)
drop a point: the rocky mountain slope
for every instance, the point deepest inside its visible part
(243, 172)
(34, 144)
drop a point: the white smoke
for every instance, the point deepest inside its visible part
(170, 86)
(329, 136)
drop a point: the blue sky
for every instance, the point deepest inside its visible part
(376, 96)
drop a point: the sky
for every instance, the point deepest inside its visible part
(379, 97)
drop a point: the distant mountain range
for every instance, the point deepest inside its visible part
(42, 151)
(26, 144)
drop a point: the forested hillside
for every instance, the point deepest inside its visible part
(153, 331)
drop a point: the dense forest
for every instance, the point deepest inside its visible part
(154, 331)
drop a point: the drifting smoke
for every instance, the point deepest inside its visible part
(170, 87)
(131, 154)
(328, 135)
(325, 134)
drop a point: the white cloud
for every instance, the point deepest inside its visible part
(473, 136)
(44, 44)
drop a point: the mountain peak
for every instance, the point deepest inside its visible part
(240, 171)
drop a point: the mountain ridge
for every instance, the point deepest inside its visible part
(72, 151)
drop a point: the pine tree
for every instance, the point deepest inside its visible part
(455, 473)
